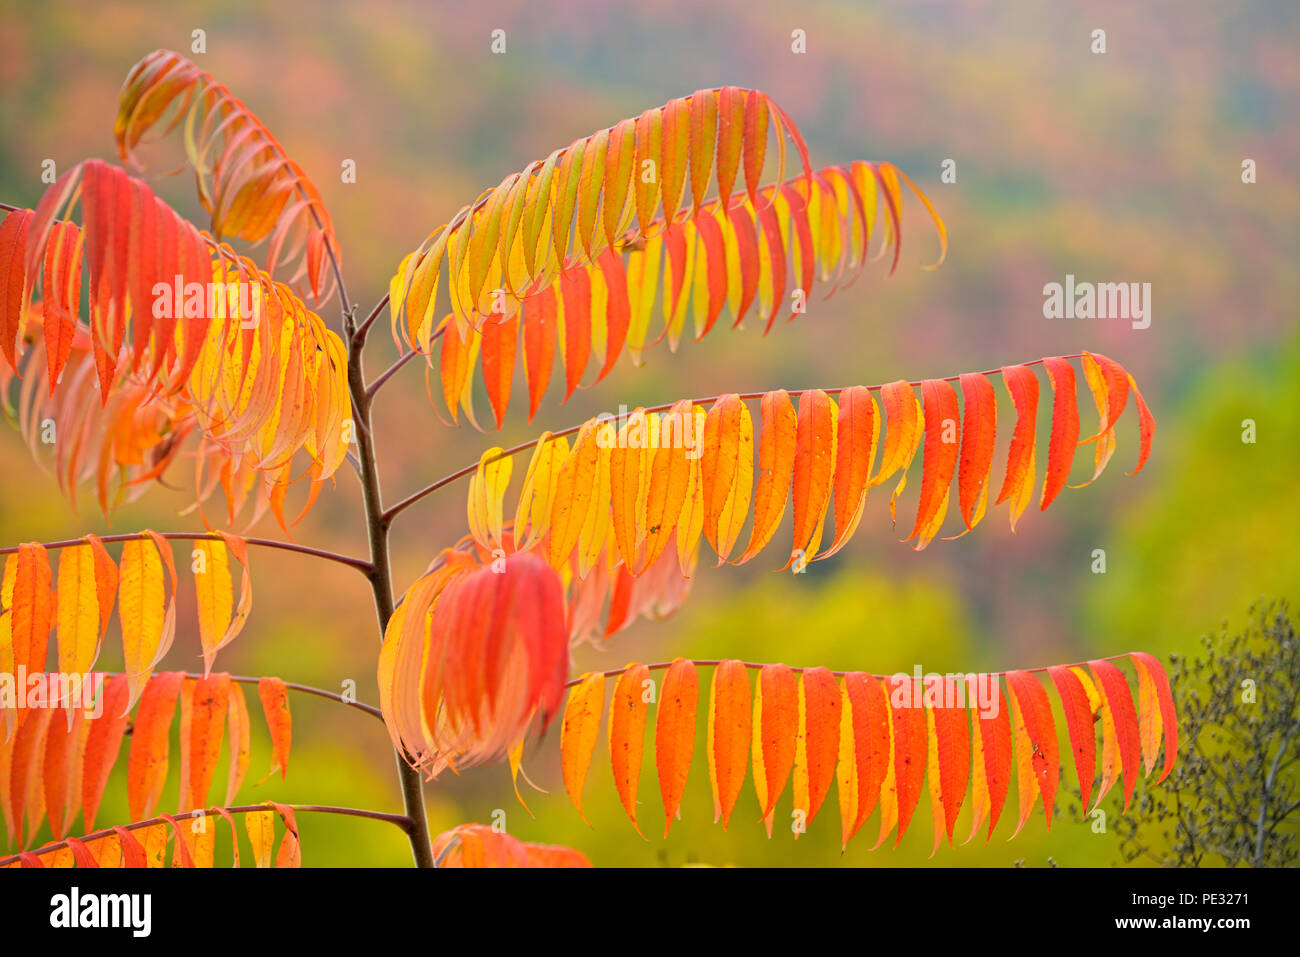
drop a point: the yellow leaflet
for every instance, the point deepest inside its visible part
(215, 595)
(78, 610)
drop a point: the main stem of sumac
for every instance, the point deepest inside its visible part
(381, 581)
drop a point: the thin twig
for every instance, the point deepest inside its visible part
(755, 665)
(401, 820)
(358, 563)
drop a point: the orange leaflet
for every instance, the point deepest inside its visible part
(103, 742)
(627, 714)
(902, 435)
(105, 582)
(817, 743)
(290, 852)
(1115, 690)
(940, 461)
(1036, 712)
(726, 470)
(776, 456)
(575, 327)
(150, 738)
(1108, 384)
(995, 747)
(61, 769)
(952, 747)
(703, 133)
(26, 795)
(240, 744)
(27, 593)
(728, 735)
(578, 731)
(814, 466)
(1018, 484)
(1146, 428)
(909, 751)
(731, 132)
(649, 146)
(856, 433)
(675, 734)
(1065, 428)
(1146, 664)
(207, 724)
(1101, 712)
(979, 432)
(1078, 721)
(275, 706)
(775, 727)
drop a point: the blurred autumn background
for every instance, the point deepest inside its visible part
(1123, 166)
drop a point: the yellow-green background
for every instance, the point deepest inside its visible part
(1116, 167)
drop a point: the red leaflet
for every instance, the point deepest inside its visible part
(814, 467)
(979, 432)
(1065, 428)
(905, 702)
(675, 734)
(500, 334)
(857, 433)
(539, 345)
(952, 747)
(942, 438)
(756, 116)
(995, 740)
(102, 745)
(576, 328)
(1119, 699)
(1023, 386)
(1036, 711)
(715, 264)
(13, 257)
(1168, 715)
(1078, 720)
